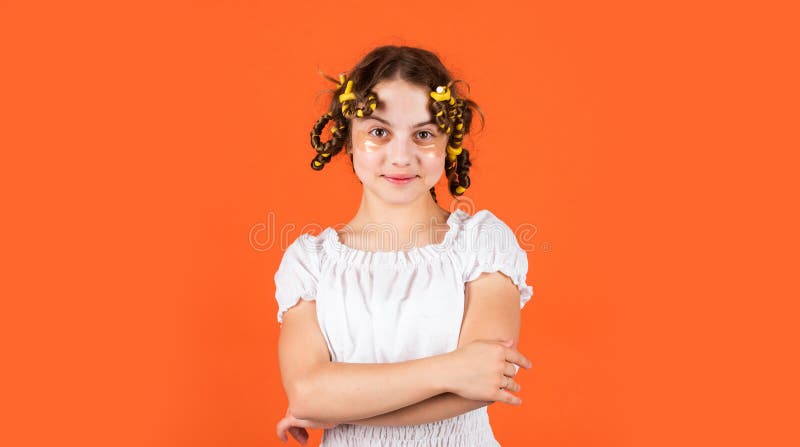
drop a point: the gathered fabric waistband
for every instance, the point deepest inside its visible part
(471, 429)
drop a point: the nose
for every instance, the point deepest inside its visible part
(401, 151)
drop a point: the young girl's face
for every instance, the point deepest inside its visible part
(398, 151)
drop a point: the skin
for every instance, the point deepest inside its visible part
(399, 138)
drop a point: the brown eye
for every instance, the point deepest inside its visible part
(378, 132)
(424, 134)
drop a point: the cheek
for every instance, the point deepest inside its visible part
(366, 157)
(366, 163)
(433, 153)
(432, 162)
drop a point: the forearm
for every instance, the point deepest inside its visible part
(340, 392)
(436, 408)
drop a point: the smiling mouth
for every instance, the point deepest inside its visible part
(399, 180)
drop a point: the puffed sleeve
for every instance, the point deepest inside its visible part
(491, 246)
(298, 274)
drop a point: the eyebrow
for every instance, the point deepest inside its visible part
(377, 118)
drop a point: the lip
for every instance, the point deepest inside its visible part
(399, 179)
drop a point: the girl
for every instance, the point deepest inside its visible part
(399, 329)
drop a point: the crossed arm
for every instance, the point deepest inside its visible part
(404, 393)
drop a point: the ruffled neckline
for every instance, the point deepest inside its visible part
(335, 247)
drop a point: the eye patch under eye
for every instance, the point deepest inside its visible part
(370, 142)
(371, 145)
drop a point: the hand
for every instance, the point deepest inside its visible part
(484, 370)
(297, 427)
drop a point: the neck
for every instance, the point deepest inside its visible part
(381, 226)
(422, 211)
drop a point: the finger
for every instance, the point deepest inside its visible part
(310, 423)
(512, 386)
(510, 370)
(515, 356)
(508, 398)
(507, 342)
(307, 423)
(281, 430)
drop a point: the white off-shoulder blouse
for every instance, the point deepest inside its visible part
(386, 307)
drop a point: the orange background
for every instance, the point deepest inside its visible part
(653, 147)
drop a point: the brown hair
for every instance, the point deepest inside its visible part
(414, 65)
